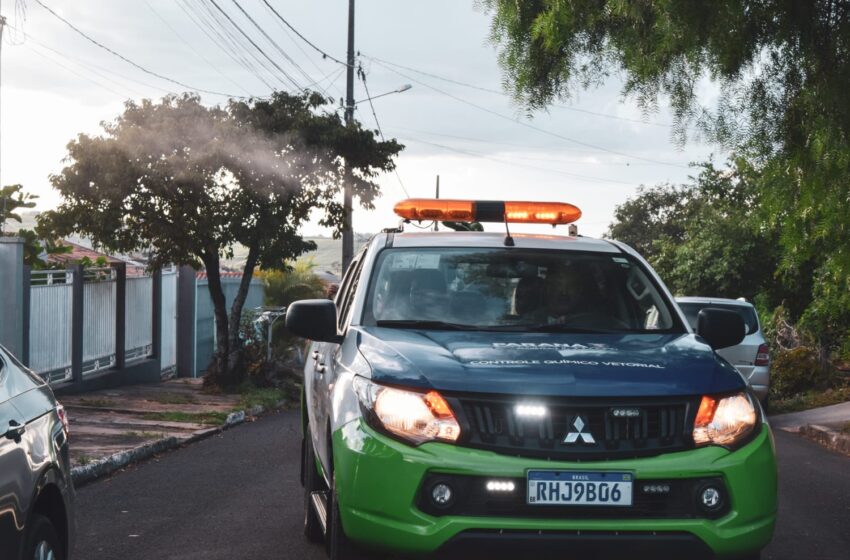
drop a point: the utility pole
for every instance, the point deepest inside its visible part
(436, 223)
(347, 232)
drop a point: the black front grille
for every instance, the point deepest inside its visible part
(609, 429)
(471, 498)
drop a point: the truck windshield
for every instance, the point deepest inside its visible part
(515, 290)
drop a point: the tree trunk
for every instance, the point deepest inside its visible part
(235, 362)
(219, 372)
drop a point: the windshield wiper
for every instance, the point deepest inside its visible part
(422, 324)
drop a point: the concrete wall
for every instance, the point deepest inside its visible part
(12, 294)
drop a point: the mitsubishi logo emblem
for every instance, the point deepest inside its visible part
(579, 424)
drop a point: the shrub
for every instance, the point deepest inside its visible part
(796, 371)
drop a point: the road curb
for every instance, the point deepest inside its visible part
(831, 439)
(84, 474)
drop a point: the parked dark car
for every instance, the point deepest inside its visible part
(36, 491)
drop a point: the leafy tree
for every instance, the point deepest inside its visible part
(658, 212)
(188, 183)
(783, 72)
(13, 198)
(704, 238)
(298, 281)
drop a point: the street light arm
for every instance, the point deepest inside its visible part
(400, 89)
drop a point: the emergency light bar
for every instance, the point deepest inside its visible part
(444, 210)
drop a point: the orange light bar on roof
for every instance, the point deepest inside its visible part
(438, 209)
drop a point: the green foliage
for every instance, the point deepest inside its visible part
(795, 371)
(187, 183)
(299, 281)
(13, 198)
(703, 237)
(783, 73)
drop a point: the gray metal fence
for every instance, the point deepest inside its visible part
(99, 292)
(51, 306)
(138, 343)
(168, 357)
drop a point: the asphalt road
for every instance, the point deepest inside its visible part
(237, 495)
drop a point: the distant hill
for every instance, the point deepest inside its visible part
(327, 257)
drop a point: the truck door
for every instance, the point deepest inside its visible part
(324, 375)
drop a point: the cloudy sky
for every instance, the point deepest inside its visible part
(593, 151)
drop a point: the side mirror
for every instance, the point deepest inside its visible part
(314, 319)
(720, 328)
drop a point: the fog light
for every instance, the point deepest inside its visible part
(500, 486)
(442, 494)
(711, 498)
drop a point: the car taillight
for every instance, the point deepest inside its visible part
(63, 417)
(763, 356)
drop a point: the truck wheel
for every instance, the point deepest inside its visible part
(312, 483)
(42, 542)
(339, 545)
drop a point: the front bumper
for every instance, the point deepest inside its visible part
(378, 480)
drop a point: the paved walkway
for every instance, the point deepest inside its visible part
(107, 422)
(837, 414)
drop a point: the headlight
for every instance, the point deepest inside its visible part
(415, 417)
(724, 421)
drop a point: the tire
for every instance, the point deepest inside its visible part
(339, 546)
(42, 541)
(312, 483)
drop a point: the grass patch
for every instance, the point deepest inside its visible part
(810, 399)
(209, 418)
(84, 460)
(173, 398)
(97, 403)
(251, 396)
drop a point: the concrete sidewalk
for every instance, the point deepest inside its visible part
(113, 428)
(835, 414)
(828, 425)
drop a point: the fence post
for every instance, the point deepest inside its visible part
(156, 310)
(11, 293)
(186, 288)
(26, 294)
(77, 303)
(120, 315)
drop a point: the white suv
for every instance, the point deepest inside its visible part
(751, 357)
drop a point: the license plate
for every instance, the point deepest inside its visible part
(575, 488)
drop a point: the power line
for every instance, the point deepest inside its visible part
(381, 132)
(127, 60)
(72, 71)
(503, 94)
(193, 49)
(255, 45)
(252, 61)
(220, 41)
(89, 67)
(97, 69)
(507, 162)
(273, 42)
(516, 145)
(525, 124)
(303, 38)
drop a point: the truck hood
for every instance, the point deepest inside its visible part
(580, 365)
